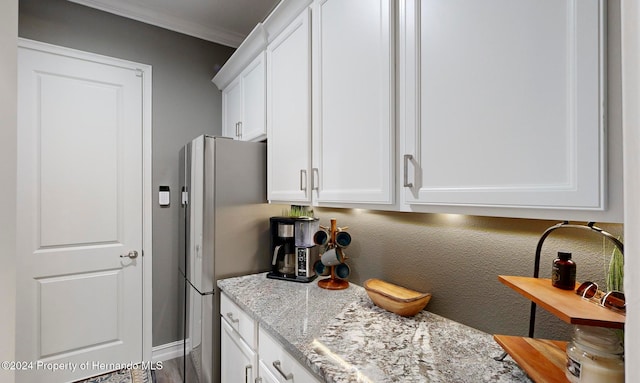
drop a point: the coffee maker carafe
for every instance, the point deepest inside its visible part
(284, 257)
(293, 252)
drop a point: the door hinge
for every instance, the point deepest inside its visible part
(139, 72)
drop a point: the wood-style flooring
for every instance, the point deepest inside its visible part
(170, 372)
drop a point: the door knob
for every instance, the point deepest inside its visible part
(132, 254)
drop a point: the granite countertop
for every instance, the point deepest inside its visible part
(341, 336)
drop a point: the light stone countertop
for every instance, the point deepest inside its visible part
(341, 336)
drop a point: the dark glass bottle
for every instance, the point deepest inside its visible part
(563, 273)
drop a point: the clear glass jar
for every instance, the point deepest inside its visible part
(595, 355)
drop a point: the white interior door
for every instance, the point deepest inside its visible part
(80, 210)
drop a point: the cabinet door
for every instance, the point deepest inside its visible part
(353, 101)
(232, 109)
(239, 320)
(237, 360)
(265, 375)
(253, 123)
(509, 107)
(289, 113)
(282, 365)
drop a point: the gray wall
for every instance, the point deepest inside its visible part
(185, 105)
(457, 258)
(8, 122)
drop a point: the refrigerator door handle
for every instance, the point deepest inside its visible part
(185, 196)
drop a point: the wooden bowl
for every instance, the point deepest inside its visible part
(396, 299)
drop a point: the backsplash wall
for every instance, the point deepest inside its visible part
(458, 259)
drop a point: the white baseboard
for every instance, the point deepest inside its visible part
(169, 351)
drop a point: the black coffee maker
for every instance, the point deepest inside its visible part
(292, 251)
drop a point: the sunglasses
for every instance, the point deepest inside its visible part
(612, 300)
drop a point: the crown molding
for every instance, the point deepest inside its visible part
(209, 33)
(251, 47)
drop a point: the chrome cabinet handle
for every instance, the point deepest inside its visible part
(315, 173)
(407, 158)
(239, 129)
(132, 254)
(232, 319)
(303, 180)
(277, 366)
(246, 372)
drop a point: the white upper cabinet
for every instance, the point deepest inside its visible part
(502, 104)
(243, 83)
(243, 103)
(353, 102)
(345, 155)
(253, 123)
(289, 113)
(232, 109)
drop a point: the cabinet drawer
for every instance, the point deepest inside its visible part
(265, 375)
(237, 359)
(239, 320)
(280, 363)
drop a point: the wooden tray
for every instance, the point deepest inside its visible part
(565, 304)
(543, 360)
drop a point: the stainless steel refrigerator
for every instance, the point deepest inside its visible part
(224, 222)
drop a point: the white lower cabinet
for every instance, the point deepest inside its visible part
(239, 320)
(237, 359)
(249, 354)
(279, 364)
(265, 375)
(238, 344)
